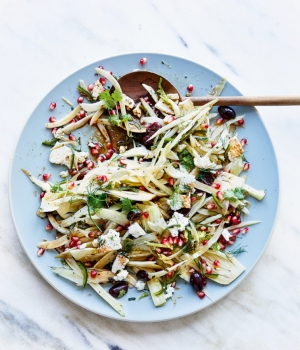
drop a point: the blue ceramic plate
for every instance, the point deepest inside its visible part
(31, 155)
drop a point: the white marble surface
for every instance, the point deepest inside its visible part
(255, 44)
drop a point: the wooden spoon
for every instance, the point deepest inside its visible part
(131, 84)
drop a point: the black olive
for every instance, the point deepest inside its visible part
(226, 112)
(197, 280)
(119, 289)
(142, 275)
(184, 211)
(134, 214)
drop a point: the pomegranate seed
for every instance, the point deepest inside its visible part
(102, 81)
(42, 194)
(78, 243)
(211, 206)
(230, 242)
(102, 158)
(41, 251)
(180, 242)
(190, 88)
(82, 114)
(88, 264)
(72, 244)
(203, 228)
(222, 246)
(122, 161)
(181, 235)
(165, 241)
(53, 130)
(72, 137)
(170, 274)
(143, 61)
(171, 181)
(52, 119)
(111, 73)
(90, 87)
(159, 250)
(141, 160)
(49, 227)
(204, 126)
(75, 239)
(209, 270)
(46, 177)
(80, 99)
(142, 188)
(52, 106)
(146, 214)
(241, 122)
(218, 221)
(109, 145)
(236, 231)
(73, 121)
(175, 240)
(193, 199)
(204, 242)
(73, 172)
(80, 166)
(243, 142)
(108, 155)
(220, 196)
(203, 261)
(171, 240)
(235, 220)
(213, 143)
(90, 165)
(93, 273)
(94, 152)
(112, 112)
(245, 230)
(170, 119)
(200, 294)
(216, 263)
(220, 121)
(71, 185)
(103, 178)
(246, 166)
(216, 186)
(91, 235)
(101, 67)
(111, 151)
(228, 219)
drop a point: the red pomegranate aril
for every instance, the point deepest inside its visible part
(73, 121)
(142, 188)
(141, 160)
(165, 241)
(218, 221)
(222, 246)
(200, 294)
(52, 119)
(146, 214)
(72, 244)
(102, 81)
(228, 219)
(236, 231)
(216, 186)
(91, 235)
(217, 263)
(75, 239)
(170, 274)
(78, 243)
(108, 155)
(171, 181)
(101, 67)
(204, 126)
(102, 158)
(71, 185)
(52, 106)
(213, 143)
(171, 240)
(53, 130)
(82, 114)
(103, 178)
(235, 220)
(73, 172)
(111, 73)
(203, 228)
(211, 206)
(167, 252)
(220, 121)
(241, 122)
(90, 165)
(111, 151)
(109, 145)
(72, 137)
(204, 281)
(42, 194)
(119, 228)
(246, 166)
(209, 270)
(88, 264)
(46, 177)
(243, 142)
(245, 230)
(180, 242)
(49, 227)
(122, 161)
(193, 198)
(190, 88)
(90, 87)
(204, 242)
(143, 61)
(175, 240)
(171, 119)
(93, 273)
(94, 152)
(220, 195)
(80, 99)
(41, 251)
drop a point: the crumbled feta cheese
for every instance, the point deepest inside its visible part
(169, 292)
(121, 275)
(98, 88)
(122, 149)
(188, 180)
(64, 174)
(140, 285)
(235, 149)
(63, 155)
(119, 263)
(128, 102)
(175, 202)
(226, 234)
(136, 230)
(203, 162)
(137, 110)
(177, 219)
(110, 240)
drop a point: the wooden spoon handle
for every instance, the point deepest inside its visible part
(248, 100)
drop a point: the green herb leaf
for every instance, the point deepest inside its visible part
(126, 204)
(56, 187)
(235, 194)
(206, 176)
(85, 93)
(50, 143)
(144, 295)
(128, 188)
(122, 293)
(110, 100)
(186, 160)
(128, 245)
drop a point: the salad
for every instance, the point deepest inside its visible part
(164, 202)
